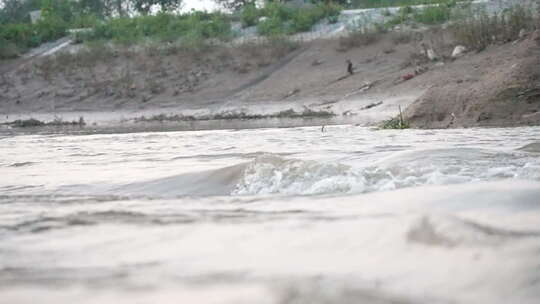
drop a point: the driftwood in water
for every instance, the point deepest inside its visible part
(372, 105)
(362, 89)
(291, 93)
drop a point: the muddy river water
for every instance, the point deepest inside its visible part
(289, 215)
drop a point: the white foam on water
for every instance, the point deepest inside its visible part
(272, 174)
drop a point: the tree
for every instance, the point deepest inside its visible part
(235, 5)
(239, 4)
(144, 6)
(97, 8)
(16, 11)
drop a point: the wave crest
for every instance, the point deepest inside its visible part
(271, 174)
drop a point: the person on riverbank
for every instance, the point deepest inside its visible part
(350, 68)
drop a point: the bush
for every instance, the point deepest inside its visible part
(285, 20)
(391, 3)
(164, 27)
(19, 37)
(8, 50)
(433, 14)
(250, 16)
(271, 27)
(361, 36)
(395, 123)
(303, 21)
(477, 30)
(18, 34)
(278, 10)
(51, 28)
(84, 21)
(402, 15)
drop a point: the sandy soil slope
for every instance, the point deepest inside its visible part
(498, 86)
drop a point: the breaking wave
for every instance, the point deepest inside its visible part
(270, 174)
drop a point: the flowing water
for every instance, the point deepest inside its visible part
(296, 215)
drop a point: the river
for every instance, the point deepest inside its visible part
(347, 214)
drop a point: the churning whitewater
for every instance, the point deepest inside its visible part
(348, 215)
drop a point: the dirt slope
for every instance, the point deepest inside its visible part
(498, 86)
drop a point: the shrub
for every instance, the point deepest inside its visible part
(331, 9)
(285, 20)
(477, 30)
(19, 34)
(250, 16)
(165, 27)
(433, 14)
(51, 28)
(395, 123)
(440, 12)
(361, 36)
(391, 3)
(8, 50)
(278, 10)
(19, 37)
(271, 27)
(303, 21)
(333, 19)
(401, 16)
(217, 27)
(84, 21)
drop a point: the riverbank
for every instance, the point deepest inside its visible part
(111, 85)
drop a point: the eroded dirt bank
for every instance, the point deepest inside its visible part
(497, 87)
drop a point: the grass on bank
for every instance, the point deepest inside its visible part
(430, 15)
(192, 28)
(279, 19)
(397, 122)
(474, 28)
(392, 3)
(478, 29)
(17, 38)
(162, 27)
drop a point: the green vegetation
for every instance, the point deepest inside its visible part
(250, 15)
(430, 15)
(15, 38)
(191, 28)
(477, 30)
(395, 122)
(280, 19)
(17, 33)
(392, 3)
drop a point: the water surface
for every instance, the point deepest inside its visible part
(349, 215)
